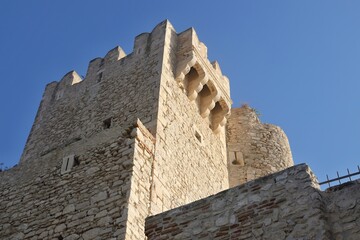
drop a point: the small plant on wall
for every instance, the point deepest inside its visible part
(256, 111)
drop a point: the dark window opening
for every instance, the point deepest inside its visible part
(107, 123)
(76, 161)
(198, 136)
(100, 75)
(203, 100)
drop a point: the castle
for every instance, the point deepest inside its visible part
(147, 146)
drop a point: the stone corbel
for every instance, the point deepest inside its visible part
(208, 103)
(219, 120)
(184, 67)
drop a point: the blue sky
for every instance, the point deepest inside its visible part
(296, 62)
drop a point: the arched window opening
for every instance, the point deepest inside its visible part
(217, 115)
(191, 81)
(204, 100)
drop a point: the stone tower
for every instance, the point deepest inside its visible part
(255, 149)
(151, 131)
(142, 133)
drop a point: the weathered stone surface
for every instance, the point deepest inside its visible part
(60, 228)
(69, 208)
(91, 234)
(90, 128)
(254, 149)
(145, 133)
(72, 237)
(271, 214)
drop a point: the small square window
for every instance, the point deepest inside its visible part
(107, 123)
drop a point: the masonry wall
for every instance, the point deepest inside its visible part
(173, 156)
(106, 196)
(343, 207)
(285, 205)
(91, 200)
(139, 204)
(117, 90)
(190, 158)
(254, 149)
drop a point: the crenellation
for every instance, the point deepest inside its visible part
(69, 79)
(119, 154)
(79, 103)
(93, 69)
(114, 55)
(217, 68)
(194, 71)
(141, 43)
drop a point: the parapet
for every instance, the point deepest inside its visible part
(202, 80)
(77, 107)
(254, 149)
(285, 205)
(272, 207)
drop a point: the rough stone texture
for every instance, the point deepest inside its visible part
(107, 195)
(286, 205)
(75, 203)
(343, 207)
(145, 133)
(254, 149)
(125, 169)
(187, 168)
(117, 88)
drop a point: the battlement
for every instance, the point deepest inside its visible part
(202, 79)
(100, 66)
(84, 129)
(145, 133)
(118, 88)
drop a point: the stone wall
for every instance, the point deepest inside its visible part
(139, 204)
(177, 156)
(343, 207)
(116, 91)
(255, 149)
(92, 170)
(285, 205)
(105, 196)
(90, 200)
(190, 156)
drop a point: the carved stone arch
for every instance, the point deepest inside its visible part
(194, 81)
(207, 98)
(218, 115)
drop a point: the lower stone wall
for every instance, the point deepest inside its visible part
(89, 202)
(285, 205)
(343, 207)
